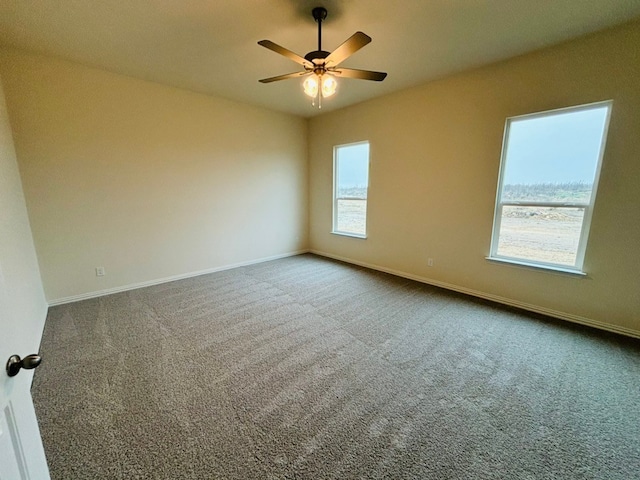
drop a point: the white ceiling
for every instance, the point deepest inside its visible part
(210, 46)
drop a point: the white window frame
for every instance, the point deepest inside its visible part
(334, 228)
(578, 266)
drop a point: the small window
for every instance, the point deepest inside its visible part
(547, 187)
(351, 181)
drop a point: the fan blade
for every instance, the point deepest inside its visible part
(354, 43)
(284, 77)
(361, 74)
(283, 51)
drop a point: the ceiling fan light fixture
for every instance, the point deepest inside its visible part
(310, 86)
(320, 65)
(325, 84)
(329, 85)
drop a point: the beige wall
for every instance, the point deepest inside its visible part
(435, 154)
(22, 305)
(146, 180)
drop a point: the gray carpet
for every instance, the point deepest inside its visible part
(309, 368)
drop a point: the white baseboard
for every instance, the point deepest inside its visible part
(487, 296)
(133, 286)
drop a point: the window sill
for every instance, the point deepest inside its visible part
(537, 266)
(348, 234)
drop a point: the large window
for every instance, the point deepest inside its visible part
(547, 186)
(351, 181)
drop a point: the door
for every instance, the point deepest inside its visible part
(21, 453)
(22, 313)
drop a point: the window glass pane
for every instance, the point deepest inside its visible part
(353, 170)
(352, 216)
(543, 234)
(554, 157)
(351, 182)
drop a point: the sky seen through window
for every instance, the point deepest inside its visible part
(555, 149)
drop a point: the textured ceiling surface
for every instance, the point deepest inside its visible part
(211, 46)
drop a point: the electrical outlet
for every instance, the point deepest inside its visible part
(100, 272)
(430, 262)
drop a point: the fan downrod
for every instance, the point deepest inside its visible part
(319, 14)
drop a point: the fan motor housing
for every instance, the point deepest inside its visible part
(316, 54)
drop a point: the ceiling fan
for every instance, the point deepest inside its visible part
(320, 66)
